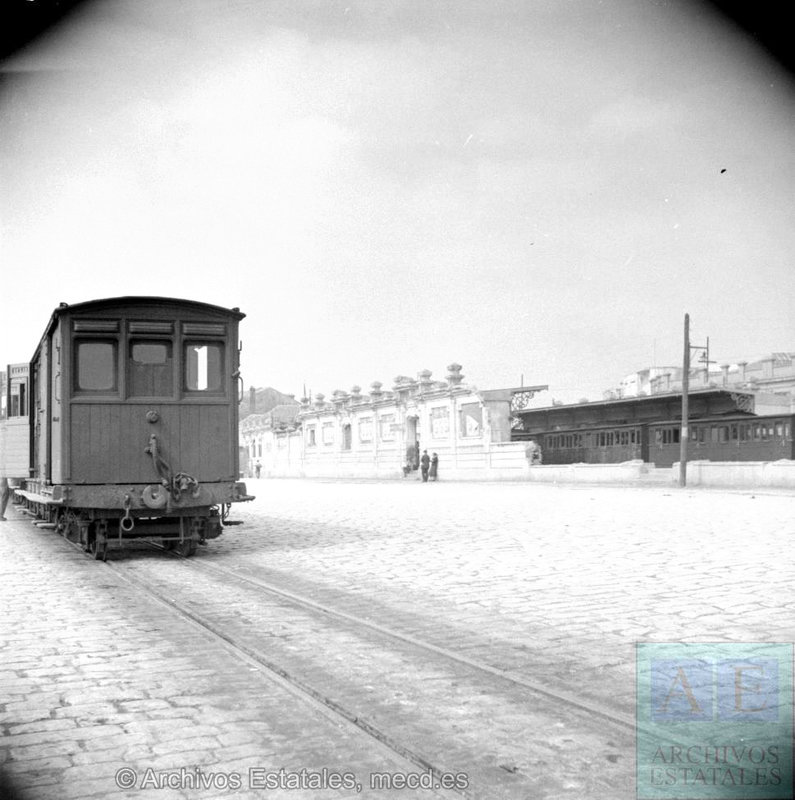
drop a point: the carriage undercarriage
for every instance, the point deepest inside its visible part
(96, 530)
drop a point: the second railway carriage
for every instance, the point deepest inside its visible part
(724, 438)
(134, 414)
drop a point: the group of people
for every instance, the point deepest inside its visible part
(427, 465)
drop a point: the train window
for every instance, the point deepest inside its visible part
(151, 372)
(723, 434)
(95, 366)
(204, 363)
(735, 432)
(19, 402)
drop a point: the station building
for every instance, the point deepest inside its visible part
(741, 420)
(378, 433)
(741, 423)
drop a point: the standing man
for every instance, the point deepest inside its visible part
(5, 493)
(425, 463)
(434, 473)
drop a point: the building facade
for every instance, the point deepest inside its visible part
(775, 373)
(378, 434)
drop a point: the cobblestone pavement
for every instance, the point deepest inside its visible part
(95, 678)
(558, 581)
(553, 583)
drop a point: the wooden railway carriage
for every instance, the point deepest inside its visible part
(134, 421)
(724, 438)
(729, 438)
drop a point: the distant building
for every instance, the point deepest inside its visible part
(353, 434)
(257, 431)
(774, 373)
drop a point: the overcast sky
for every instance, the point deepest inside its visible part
(537, 188)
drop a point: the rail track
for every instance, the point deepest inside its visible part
(431, 708)
(556, 694)
(426, 706)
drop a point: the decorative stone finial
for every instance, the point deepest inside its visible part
(454, 376)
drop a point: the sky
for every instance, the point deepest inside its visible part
(538, 190)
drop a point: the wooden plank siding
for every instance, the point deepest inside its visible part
(109, 441)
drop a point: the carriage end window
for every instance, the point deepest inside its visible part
(95, 366)
(151, 369)
(204, 364)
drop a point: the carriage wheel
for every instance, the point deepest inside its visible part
(98, 546)
(186, 548)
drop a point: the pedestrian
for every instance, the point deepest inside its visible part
(5, 493)
(257, 468)
(425, 463)
(533, 452)
(409, 459)
(433, 474)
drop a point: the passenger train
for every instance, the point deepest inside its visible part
(124, 425)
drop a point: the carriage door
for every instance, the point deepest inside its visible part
(40, 408)
(56, 409)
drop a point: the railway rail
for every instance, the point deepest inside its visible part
(556, 694)
(436, 710)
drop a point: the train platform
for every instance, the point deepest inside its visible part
(352, 629)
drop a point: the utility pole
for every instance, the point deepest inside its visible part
(685, 389)
(685, 432)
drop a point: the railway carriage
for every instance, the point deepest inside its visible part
(598, 445)
(727, 438)
(718, 438)
(134, 417)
